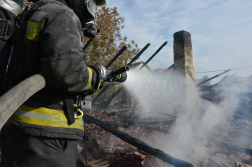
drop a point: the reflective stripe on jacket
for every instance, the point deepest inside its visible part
(45, 117)
(40, 121)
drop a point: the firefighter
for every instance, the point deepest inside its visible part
(44, 130)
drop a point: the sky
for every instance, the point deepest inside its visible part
(221, 31)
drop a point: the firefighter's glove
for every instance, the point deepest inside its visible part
(102, 69)
(101, 73)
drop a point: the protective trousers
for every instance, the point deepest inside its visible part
(21, 150)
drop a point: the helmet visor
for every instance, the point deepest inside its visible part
(91, 6)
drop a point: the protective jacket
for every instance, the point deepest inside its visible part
(50, 42)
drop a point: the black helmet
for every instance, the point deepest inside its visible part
(85, 10)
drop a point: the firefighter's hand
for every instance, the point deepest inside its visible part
(101, 73)
(102, 69)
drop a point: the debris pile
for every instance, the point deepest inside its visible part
(104, 149)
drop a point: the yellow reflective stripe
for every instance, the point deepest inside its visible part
(32, 31)
(41, 110)
(89, 86)
(45, 117)
(48, 117)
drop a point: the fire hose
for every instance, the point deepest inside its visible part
(15, 97)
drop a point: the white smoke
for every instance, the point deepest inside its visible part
(190, 136)
(155, 93)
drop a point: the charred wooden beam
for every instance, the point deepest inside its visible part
(116, 56)
(138, 143)
(114, 112)
(160, 48)
(117, 124)
(149, 122)
(138, 54)
(127, 123)
(213, 77)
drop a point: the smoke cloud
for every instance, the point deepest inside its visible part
(192, 132)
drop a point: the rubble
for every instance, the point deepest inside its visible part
(116, 152)
(139, 144)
